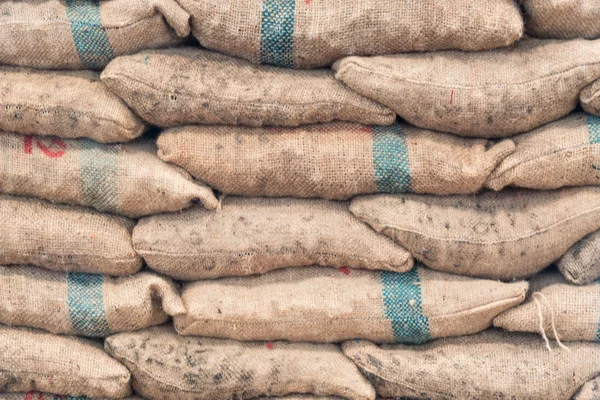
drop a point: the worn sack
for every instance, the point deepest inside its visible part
(333, 161)
(36, 360)
(318, 304)
(85, 304)
(581, 263)
(489, 365)
(590, 98)
(167, 366)
(83, 34)
(500, 235)
(496, 93)
(35, 395)
(69, 104)
(191, 86)
(305, 34)
(589, 391)
(65, 238)
(127, 179)
(564, 19)
(562, 153)
(255, 235)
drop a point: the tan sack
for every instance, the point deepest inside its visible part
(581, 263)
(589, 391)
(564, 19)
(35, 395)
(590, 98)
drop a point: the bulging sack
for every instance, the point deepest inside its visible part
(305, 34)
(256, 235)
(191, 86)
(69, 104)
(35, 395)
(65, 238)
(590, 98)
(66, 365)
(562, 153)
(317, 304)
(333, 161)
(81, 34)
(85, 304)
(167, 366)
(589, 391)
(565, 19)
(127, 179)
(581, 263)
(489, 365)
(497, 93)
(499, 235)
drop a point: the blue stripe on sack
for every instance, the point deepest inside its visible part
(593, 123)
(277, 32)
(98, 175)
(390, 159)
(91, 39)
(403, 306)
(86, 304)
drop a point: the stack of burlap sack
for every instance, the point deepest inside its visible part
(406, 199)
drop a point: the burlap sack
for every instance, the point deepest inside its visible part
(564, 19)
(255, 235)
(65, 238)
(191, 86)
(36, 360)
(82, 34)
(305, 34)
(581, 263)
(85, 304)
(167, 366)
(318, 304)
(333, 161)
(590, 98)
(502, 235)
(127, 179)
(35, 395)
(589, 391)
(562, 153)
(496, 93)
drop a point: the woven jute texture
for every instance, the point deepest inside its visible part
(495, 93)
(502, 235)
(562, 153)
(564, 19)
(69, 104)
(333, 161)
(80, 34)
(306, 34)
(65, 238)
(167, 366)
(191, 86)
(316, 304)
(574, 311)
(255, 235)
(486, 366)
(127, 179)
(581, 263)
(589, 391)
(35, 395)
(37, 360)
(590, 98)
(85, 304)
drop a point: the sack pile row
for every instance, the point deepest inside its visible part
(299, 199)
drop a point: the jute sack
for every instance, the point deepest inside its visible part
(333, 161)
(572, 312)
(562, 153)
(489, 365)
(590, 98)
(495, 93)
(500, 235)
(35, 395)
(318, 304)
(37, 360)
(127, 179)
(65, 238)
(581, 263)
(304, 34)
(589, 391)
(69, 104)
(191, 86)
(255, 235)
(81, 34)
(565, 19)
(85, 304)
(167, 366)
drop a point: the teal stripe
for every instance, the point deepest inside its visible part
(403, 306)
(277, 32)
(86, 304)
(593, 128)
(98, 175)
(390, 159)
(90, 37)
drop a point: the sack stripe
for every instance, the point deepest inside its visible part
(86, 304)
(277, 32)
(390, 159)
(98, 175)
(593, 123)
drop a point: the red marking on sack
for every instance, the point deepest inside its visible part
(29, 395)
(451, 96)
(345, 270)
(50, 151)
(269, 345)
(307, 2)
(28, 145)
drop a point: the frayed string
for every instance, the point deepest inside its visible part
(221, 198)
(536, 296)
